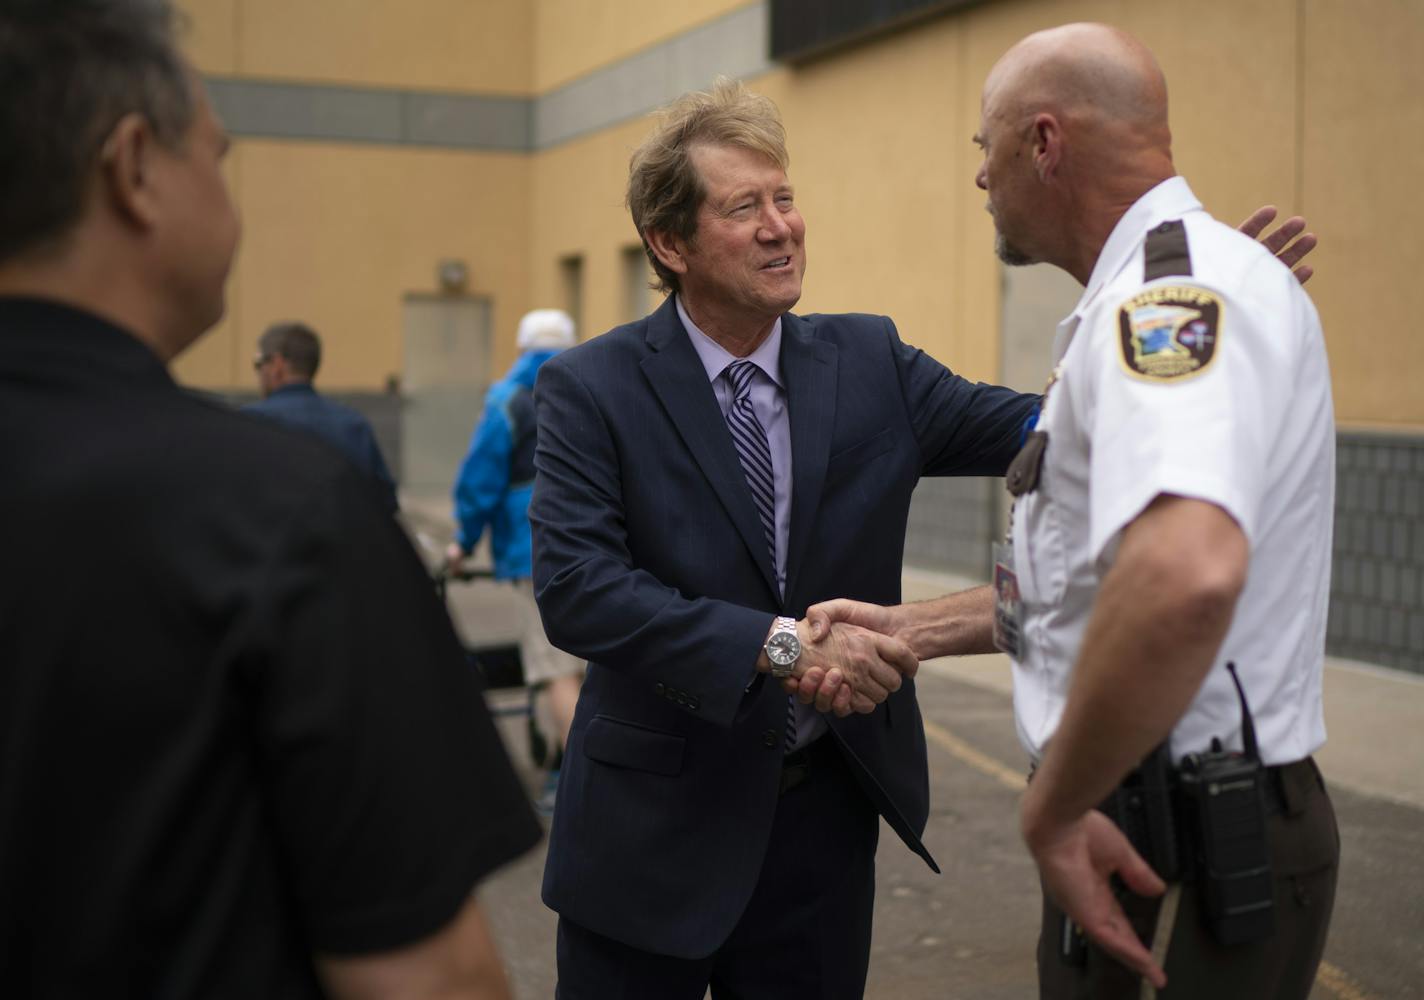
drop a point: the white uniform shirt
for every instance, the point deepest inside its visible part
(1213, 387)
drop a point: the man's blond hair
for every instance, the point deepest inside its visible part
(664, 188)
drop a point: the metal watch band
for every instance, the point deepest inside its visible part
(781, 626)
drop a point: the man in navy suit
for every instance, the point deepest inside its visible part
(687, 509)
(288, 355)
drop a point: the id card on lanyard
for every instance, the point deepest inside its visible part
(1008, 603)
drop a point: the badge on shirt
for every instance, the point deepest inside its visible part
(1024, 470)
(1008, 603)
(1169, 333)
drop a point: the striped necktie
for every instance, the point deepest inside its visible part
(754, 452)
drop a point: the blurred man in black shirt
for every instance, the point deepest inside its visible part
(245, 758)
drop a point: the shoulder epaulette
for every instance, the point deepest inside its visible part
(1166, 252)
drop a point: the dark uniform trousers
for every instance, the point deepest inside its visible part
(1304, 847)
(805, 934)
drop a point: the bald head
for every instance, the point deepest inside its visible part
(1074, 129)
(1084, 72)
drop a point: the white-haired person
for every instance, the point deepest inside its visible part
(493, 489)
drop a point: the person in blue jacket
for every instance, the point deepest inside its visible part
(288, 355)
(492, 491)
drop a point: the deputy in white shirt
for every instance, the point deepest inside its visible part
(1173, 514)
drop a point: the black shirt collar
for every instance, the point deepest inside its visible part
(50, 335)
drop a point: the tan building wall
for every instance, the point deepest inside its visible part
(1361, 158)
(577, 211)
(576, 36)
(1308, 104)
(338, 234)
(1273, 101)
(884, 230)
(458, 45)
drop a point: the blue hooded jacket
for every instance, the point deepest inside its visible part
(497, 476)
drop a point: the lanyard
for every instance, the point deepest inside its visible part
(1022, 477)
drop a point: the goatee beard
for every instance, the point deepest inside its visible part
(1010, 254)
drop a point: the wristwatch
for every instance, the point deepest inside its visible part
(783, 648)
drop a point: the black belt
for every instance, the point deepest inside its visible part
(799, 764)
(1286, 786)
(1152, 809)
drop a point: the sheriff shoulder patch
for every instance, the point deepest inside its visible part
(1169, 333)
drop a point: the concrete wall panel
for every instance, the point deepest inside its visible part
(734, 45)
(208, 33)
(472, 45)
(337, 235)
(1362, 139)
(575, 37)
(1282, 101)
(880, 156)
(576, 208)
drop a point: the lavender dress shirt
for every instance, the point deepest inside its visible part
(769, 403)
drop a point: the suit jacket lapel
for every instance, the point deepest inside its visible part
(676, 374)
(808, 366)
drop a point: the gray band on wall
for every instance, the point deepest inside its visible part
(389, 117)
(733, 45)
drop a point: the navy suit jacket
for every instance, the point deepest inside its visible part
(301, 406)
(650, 561)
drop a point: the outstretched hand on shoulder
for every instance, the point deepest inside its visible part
(1279, 240)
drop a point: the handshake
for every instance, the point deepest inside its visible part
(851, 657)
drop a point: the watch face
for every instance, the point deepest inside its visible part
(783, 648)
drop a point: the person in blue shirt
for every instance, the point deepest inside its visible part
(492, 491)
(288, 355)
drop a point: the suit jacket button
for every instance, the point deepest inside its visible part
(659, 687)
(768, 738)
(693, 702)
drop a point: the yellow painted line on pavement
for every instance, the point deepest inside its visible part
(1332, 977)
(982, 762)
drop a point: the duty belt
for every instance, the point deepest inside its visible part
(1284, 791)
